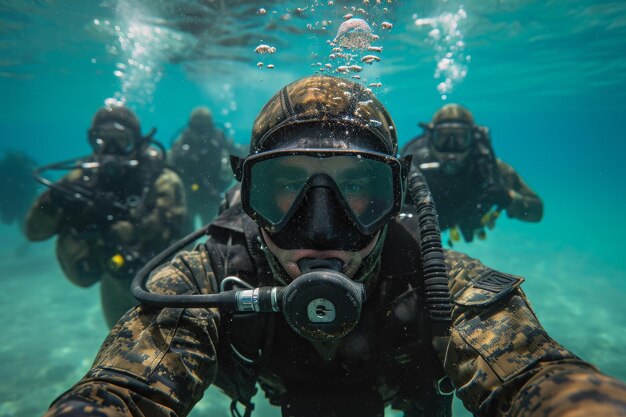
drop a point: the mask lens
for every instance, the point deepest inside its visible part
(112, 140)
(452, 138)
(364, 185)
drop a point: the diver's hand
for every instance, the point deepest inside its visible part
(497, 195)
(70, 197)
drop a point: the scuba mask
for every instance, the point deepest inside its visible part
(112, 139)
(451, 143)
(321, 198)
(452, 137)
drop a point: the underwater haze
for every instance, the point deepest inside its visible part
(547, 77)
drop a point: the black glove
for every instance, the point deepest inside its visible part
(496, 195)
(72, 198)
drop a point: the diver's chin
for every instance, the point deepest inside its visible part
(289, 258)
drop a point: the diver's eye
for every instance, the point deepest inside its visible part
(352, 188)
(291, 186)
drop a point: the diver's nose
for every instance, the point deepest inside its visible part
(320, 227)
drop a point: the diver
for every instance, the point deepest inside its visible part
(471, 187)
(113, 211)
(311, 287)
(200, 156)
(17, 187)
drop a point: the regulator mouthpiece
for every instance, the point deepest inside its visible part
(322, 304)
(310, 264)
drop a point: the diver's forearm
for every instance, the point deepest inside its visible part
(43, 219)
(104, 399)
(570, 389)
(525, 207)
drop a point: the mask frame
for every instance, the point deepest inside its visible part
(107, 141)
(242, 169)
(442, 145)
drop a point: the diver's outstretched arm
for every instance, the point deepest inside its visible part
(156, 362)
(525, 203)
(503, 363)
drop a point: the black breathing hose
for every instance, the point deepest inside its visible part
(431, 251)
(66, 165)
(263, 299)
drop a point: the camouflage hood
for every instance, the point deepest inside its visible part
(330, 101)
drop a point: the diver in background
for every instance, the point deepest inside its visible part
(200, 155)
(17, 186)
(471, 187)
(113, 211)
(368, 319)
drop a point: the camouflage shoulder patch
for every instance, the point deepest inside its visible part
(487, 288)
(498, 282)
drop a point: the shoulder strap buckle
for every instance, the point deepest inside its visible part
(444, 386)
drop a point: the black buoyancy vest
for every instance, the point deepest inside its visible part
(392, 339)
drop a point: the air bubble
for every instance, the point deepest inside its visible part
(265, 49)
(369, 59)
(354, 34)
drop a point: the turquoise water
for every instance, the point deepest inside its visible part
(548, 78)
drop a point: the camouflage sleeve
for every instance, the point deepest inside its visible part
(43, 218)
(165, 220)
(155, 362)
(502, 362)
(526, 204)
(46, 216)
